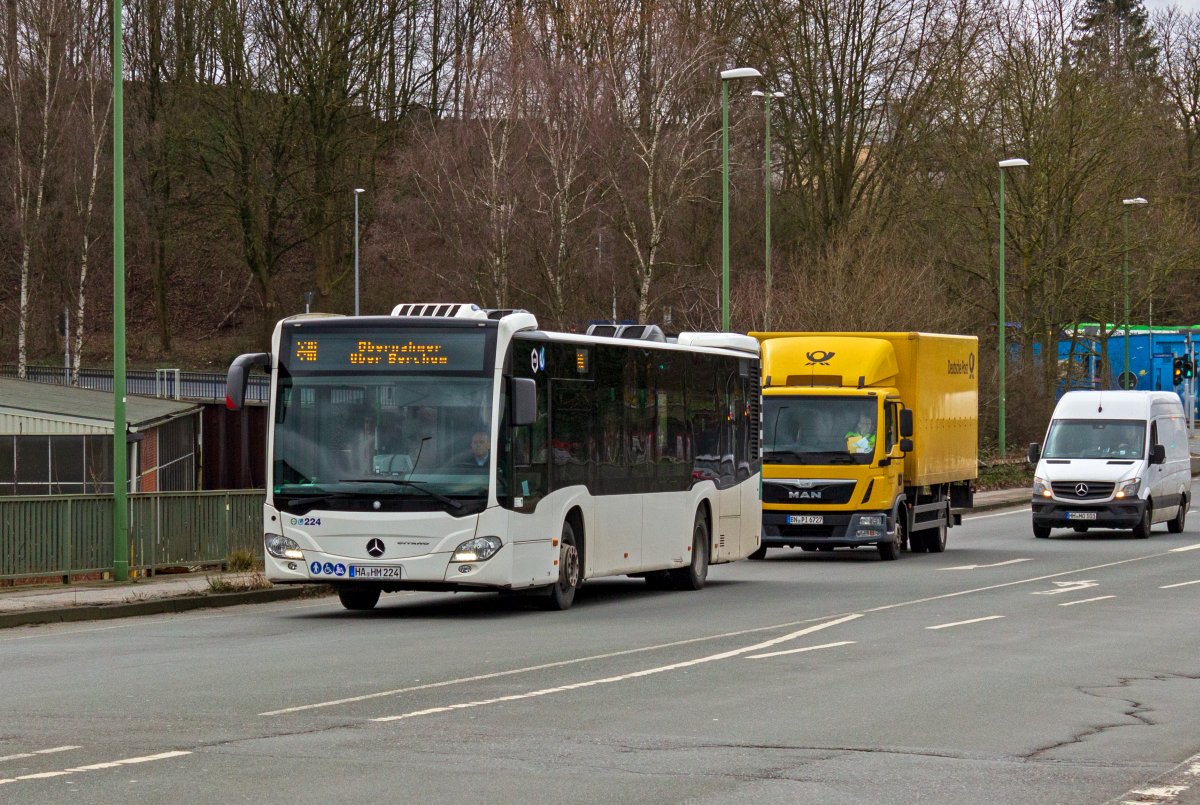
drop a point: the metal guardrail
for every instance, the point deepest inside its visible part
(69, 535)
(173, 384)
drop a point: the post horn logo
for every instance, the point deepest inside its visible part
(819, 356)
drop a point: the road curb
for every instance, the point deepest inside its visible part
(155, 606)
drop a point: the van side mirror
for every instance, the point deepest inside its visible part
(239, 373)
(906, 423)
(1034, 453)
(523, 402)
(906, 445)
(1158, 454)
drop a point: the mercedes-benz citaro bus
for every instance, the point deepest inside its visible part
(447, 447)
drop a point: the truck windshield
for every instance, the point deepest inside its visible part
(819, 430)
(353, 434)
(1096, 438)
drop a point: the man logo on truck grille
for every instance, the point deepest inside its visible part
(375, 547)
(819, 356)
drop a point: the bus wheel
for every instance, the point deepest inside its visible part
(695, 574)
(358, 597)
(561, 594)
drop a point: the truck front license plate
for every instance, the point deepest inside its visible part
(376, 571)
(1081, 515)
(805, 519)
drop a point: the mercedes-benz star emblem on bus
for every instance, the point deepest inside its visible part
(375, 547)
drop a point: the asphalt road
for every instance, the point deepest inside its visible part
(1008, 669)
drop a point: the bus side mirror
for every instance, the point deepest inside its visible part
(239, 372)
(523, 401)
(1158, 454)
(906, 422)
(906, 445)
(1034, 453)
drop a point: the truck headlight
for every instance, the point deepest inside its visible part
(1128, 489)
(476, 550)
(873, 520)
(1041, 487)
(282, 547)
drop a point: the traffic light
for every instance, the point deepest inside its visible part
(1189, 368)
(1177, 371)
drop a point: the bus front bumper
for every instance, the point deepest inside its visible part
(432, 571)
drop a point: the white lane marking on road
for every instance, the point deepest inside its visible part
(994, 564)
(129, 761)
(1067, 587)
(800, 650)
(1164, 587)
(1184, 548)
(1086, 600)
(1000, 514)
(35, 752)
(529, 669)
(623, 677)
(964, 623)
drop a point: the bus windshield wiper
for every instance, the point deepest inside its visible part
(311, 501)
(400, 482)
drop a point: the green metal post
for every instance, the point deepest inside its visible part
(1125, 282)
(1001, 322)
(725, 206)
(120, 472)
(767, 212)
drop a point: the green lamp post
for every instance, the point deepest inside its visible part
(726, 77)
(1002, 321)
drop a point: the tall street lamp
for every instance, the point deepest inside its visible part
(1002, 322)
(726, 77)
(767, 96)
(357, 191)
(120, 445)
(1126, 204)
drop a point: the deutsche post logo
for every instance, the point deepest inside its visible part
(819, 356)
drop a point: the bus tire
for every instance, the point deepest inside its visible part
(695, 574)
(758, 553)
(561, 594)
(358, 598)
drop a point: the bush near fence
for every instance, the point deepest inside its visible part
(70, 536)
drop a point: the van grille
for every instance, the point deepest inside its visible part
(1092, 490)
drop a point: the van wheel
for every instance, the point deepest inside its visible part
(758, 553)
(561, 594)
(1081, 529)
(1175, 526)
(1041, 531)
(358, 598)
(695, 574)
(1142, 529)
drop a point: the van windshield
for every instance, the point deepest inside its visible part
(1096, 438)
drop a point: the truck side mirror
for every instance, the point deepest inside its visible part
(906, 423)
(523, 402)
(1158, 454)
(239, 372)
(906, 445)
(1034, 453)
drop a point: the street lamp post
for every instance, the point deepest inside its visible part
(1002, 322)
(1125, 205)
(767, 96)
(357, 191)
(726, 77)
(120, 445)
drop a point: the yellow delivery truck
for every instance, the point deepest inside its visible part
(868, 439)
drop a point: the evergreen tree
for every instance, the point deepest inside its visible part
(1113, 40)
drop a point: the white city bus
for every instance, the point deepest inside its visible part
(625, 453)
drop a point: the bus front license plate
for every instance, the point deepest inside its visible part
(806, 519)
(376, 572)
(1081, 515)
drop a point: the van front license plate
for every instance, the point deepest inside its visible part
(376, 572)
(1081, 515)
(806, 519)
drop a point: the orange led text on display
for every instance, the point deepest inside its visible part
(370, 353)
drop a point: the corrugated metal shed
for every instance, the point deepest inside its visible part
(39, 409)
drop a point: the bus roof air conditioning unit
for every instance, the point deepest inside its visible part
(642, 332)
(606, 330)
(442, 310)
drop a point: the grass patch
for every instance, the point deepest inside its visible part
(1005, 475)
(241, 560)
(238, 584)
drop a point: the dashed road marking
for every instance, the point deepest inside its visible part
(800, 650)
(36, 752)
(1185, 548)
(112, 764)
(1164, 587)
(1085, 600)
(964, 623)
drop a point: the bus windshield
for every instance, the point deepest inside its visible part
(1096, 438)
(352, 433)
(819, 430)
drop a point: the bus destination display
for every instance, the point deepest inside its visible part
(382, 351)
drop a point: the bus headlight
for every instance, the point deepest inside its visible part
(476, 550)
(282, 547)
(1128, 489)
(1040, 487)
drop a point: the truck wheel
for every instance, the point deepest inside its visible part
(1142, 529)
(760, 552)
(935, 541)
(695, 574)
(1175, 526)
(890, 550)
(358, 598)
(561, 594)
(1041, 531)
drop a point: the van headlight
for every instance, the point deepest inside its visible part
(1041, 487)
(1128, 489)
(282, 547)
(476, 550)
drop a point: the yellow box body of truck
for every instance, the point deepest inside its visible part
(868, 439)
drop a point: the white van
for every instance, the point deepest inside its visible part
(1112, 459)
